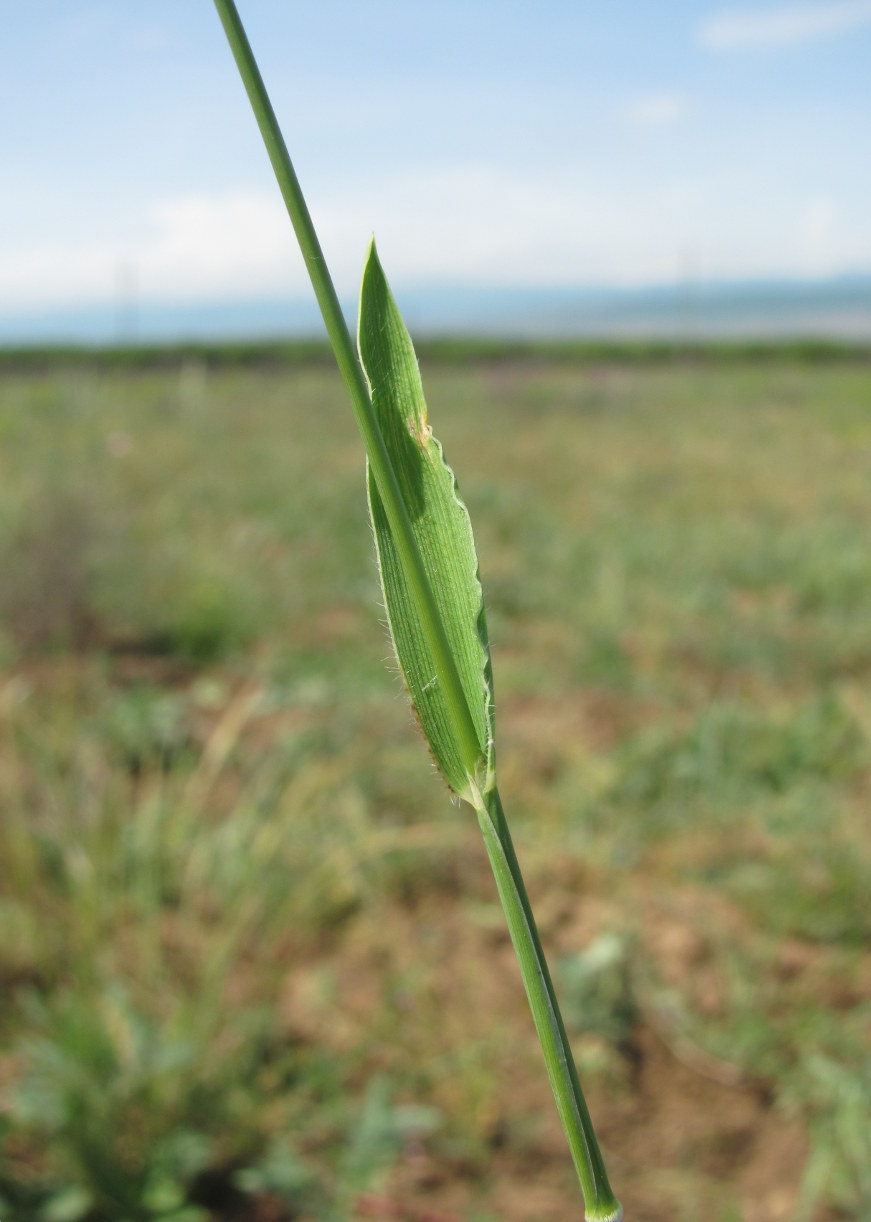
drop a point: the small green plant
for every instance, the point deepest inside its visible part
(138, 1126)
(433, 597)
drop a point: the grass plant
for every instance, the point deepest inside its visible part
(434, 602)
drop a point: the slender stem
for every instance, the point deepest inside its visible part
(601, 1204)
(355, 381)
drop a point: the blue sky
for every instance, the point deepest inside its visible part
(483, 143)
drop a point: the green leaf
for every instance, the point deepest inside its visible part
(443, 532)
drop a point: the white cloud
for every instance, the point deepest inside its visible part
(207, 246)
(442, 225)
(482, 223)
(750, 29)
(193, 247)
(461, 224)
(657, 109)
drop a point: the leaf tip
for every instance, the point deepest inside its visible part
(372, 268)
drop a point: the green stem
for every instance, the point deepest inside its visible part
(601, 1204)
(355, 381)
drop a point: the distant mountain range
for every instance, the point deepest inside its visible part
(833, 308)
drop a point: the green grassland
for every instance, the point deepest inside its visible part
(252, 962)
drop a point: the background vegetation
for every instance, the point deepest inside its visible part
(252, 963)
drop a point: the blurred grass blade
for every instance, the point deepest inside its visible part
(443, 532)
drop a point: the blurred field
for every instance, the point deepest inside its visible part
(252, 964)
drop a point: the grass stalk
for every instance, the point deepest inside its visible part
(601, 1205)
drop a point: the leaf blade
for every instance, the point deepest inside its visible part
(443, 533)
